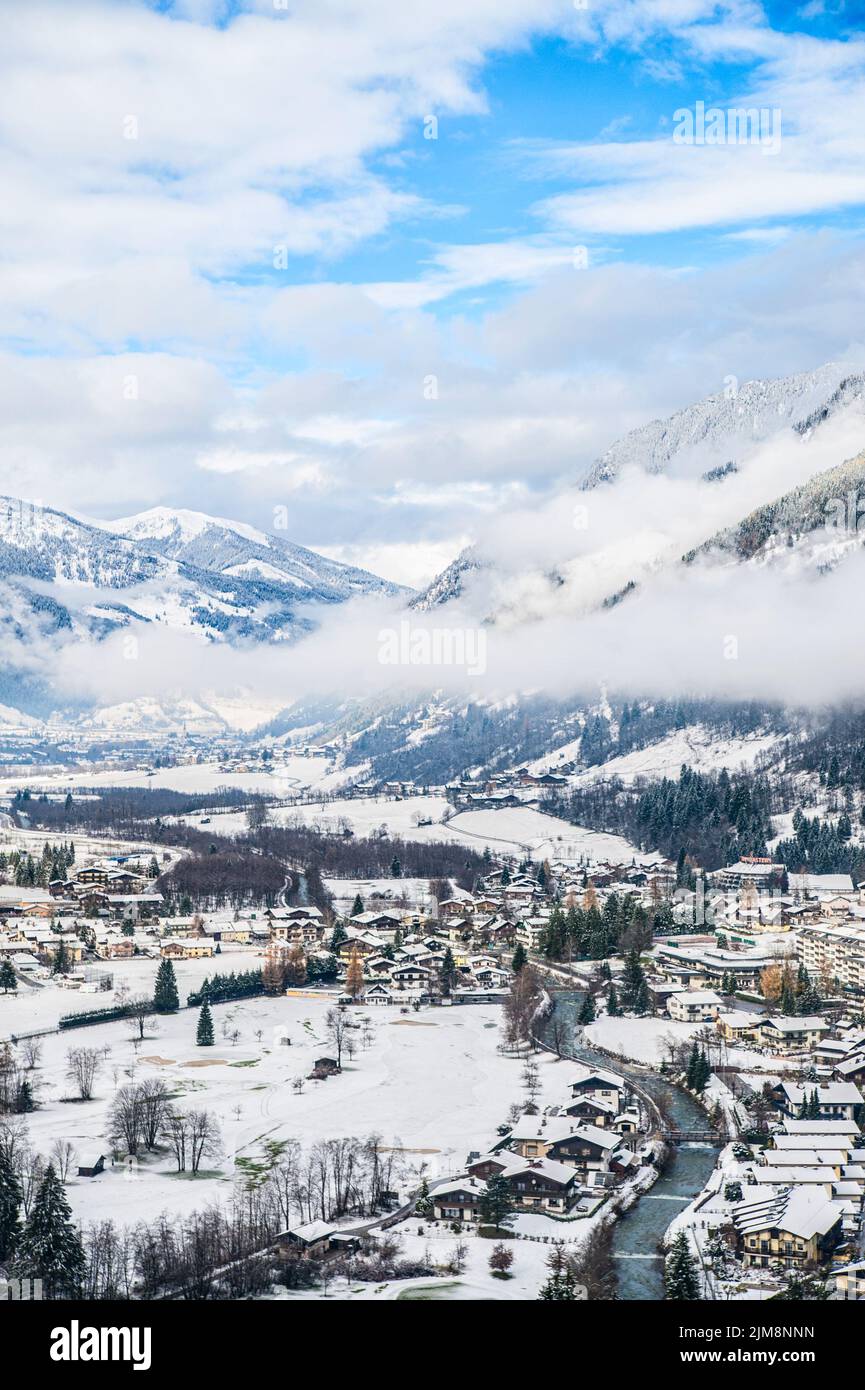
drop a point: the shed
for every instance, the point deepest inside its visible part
(91, 1169)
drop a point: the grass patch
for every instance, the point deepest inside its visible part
(253, 1062)
(255, 1171)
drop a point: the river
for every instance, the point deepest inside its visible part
(639, 1230)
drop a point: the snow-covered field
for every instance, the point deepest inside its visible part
(476, 1282)
(643, 1040)
(431, 1083)
(363, 815)
(696, 746)
(40, 1006)
(514, 830)
(287, 778)
(639, 1038)
(380, 894)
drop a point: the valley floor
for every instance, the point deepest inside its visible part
(433, 1084)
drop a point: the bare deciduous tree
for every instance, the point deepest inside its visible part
(31, 1052)
(63, 1156)
(82, 1067)
(192, 1137)
(336, 1030)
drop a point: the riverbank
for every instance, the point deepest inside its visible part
(640, 1230)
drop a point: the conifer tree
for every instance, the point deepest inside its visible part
(496, 1207)
(632, 980)
(519, 959)
(24, 1102)
(613, 1002)
(560, 1285)
(587, 1011)
(693, 1065)
(204, 1031)
(449, 972)
(165, 996)
(357, 906)
(680, 1272)
(50, 1246)
(7, 977)
(10, 1204)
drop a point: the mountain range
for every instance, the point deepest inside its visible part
(180, 569)
(778, 461)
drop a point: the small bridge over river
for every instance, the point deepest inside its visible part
(691, 1136)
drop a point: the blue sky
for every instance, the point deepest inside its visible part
(231, 264)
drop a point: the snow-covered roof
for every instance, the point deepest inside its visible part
(805, 1023)
(804, 1212)
(821, 1127)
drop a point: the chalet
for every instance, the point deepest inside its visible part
(532, 1135)
(385, 922)
(229, 931)
(604, 1084)
(459, 1200)
(836, 1100)
(798, 1228)
(797, 1034)
(456, 929)
(530, 931)
(593, 1110)
(851, 1069)
(314, 1236)
(409, 977)
(302, 914)
(92, 874)
(694, 1006)
(737, 1026)
(122, 881)
(186, 948)
(543, 1185)
(49, 944)
(114, 946)
(365, 944)
(456, 908)
(378, 994)
(588, 1148)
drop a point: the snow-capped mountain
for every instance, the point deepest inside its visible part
(179, 569)
(238, 551)
(450, 583)
(721, 429)
(813, 422)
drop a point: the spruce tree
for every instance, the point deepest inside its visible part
(496, 1207)
(692, 1068)
(449, 972)
(50, 1246)
(680, 1272)
(24, 1102)
(204, 1031)
(7, 977)
(613, 1002)
(10, 1204)
(357, 906)
(561, 1285)
(519, 959)
(632, 979)
(587, 1011)
(165, 996)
